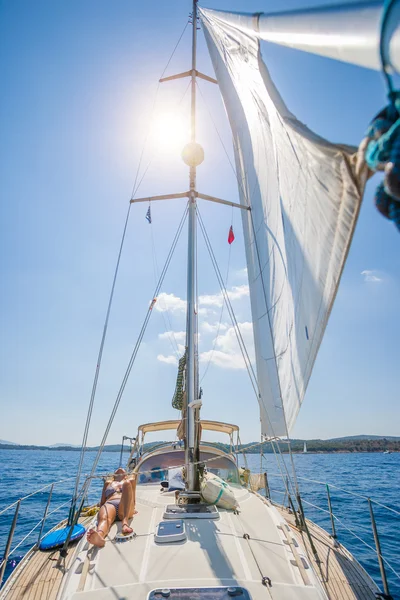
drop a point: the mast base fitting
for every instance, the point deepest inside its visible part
(189, 498)
(193, 154)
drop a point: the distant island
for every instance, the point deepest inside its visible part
(355, 443)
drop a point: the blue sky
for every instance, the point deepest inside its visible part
(78, 83)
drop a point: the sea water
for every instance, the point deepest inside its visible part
(363, 475)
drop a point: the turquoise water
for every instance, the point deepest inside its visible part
(375, 475)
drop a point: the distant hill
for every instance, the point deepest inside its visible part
(356, 438)
(8, 443)
(357, 443)
(64, 446)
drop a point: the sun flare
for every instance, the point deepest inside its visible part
(170, 132)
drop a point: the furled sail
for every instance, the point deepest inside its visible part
(304, 197)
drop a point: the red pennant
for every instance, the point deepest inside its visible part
(231, 235)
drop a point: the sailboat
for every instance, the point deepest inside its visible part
(186, 542)
(305, 448)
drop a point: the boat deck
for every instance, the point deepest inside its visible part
(233, 550)
(341, 575)
(37, 577)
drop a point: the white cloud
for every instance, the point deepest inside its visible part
(179, 336)
(228, 341)
(211, 300)
(169, 360)
(227, 354)
(371, 276)
(213, 327)
(241, 273)
(223, 360)
(170, 302)
(237, 292)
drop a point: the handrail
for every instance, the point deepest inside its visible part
(102, 475)
(332, 485)
(33, 494)
(8, 551)
(354, 534)
(334, 518)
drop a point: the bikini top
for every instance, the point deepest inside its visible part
(110, 490)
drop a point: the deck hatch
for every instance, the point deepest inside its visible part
(191, 511)
(170, 531)
(200, 593)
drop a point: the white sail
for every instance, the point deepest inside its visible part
(304, 197)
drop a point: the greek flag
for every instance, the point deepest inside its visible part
(148, 215)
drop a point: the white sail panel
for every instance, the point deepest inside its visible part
(304, 198)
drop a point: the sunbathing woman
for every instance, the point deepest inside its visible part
(117, 503)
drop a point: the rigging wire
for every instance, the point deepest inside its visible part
(125, 378)
(245, 197)
(222, 310)
(100, 353)
(97, 372)
(139, 339)
(135, 188)
(238, 333)
(166, 317)
(156, 152)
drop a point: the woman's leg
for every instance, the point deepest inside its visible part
(133, 484)
(106, 518)
(126, 507)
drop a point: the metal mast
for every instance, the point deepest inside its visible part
(191, 331)
(193, 156)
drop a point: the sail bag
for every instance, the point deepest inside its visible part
(304, 196)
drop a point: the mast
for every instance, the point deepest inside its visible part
(191, 331)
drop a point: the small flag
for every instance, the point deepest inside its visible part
(148, 215)
(231, 235)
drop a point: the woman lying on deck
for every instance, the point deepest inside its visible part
(117, 503)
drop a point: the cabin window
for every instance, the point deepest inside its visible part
(155, 468)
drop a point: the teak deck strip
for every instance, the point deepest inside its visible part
(38, 578)
(340, 574)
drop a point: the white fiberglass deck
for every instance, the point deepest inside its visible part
(215, 554)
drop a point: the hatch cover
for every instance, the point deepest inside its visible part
(191, 511)
(200, 593)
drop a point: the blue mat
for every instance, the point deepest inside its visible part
(55, 539)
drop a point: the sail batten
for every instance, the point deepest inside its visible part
(304, 195)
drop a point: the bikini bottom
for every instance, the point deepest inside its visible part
(115, 504)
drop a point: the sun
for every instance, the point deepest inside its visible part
(169, 132)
